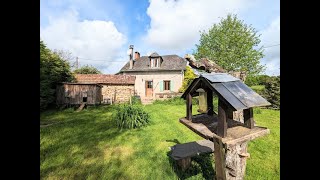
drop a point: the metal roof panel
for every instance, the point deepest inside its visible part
(219, 77)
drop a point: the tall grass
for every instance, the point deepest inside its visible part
(130, 116)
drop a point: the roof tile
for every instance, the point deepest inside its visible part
(105, 78)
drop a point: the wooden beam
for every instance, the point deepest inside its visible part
(189, 107)
(219, 160)
(222, 119)
(209, 101)
(248, 118)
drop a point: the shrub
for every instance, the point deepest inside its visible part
(189, 76)
(130, 116)
(272, 91)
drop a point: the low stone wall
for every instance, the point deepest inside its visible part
(117, 93)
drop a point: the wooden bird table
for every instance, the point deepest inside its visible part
(230, 152)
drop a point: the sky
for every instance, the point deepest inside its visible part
(99, 32)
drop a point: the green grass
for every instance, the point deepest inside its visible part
(88, 145)
(258, 87)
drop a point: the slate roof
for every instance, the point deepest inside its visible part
(105, 79)
(232, 89)
(169, 62)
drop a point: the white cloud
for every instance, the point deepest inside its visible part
(92, 39)
(269, 37)
(175, 25)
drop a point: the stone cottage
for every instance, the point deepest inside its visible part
(157, 76)
(115, 88)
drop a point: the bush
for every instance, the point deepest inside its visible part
(130, 116)
(272, 91)
(189, 76)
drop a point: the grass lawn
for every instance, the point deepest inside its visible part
(87, 145)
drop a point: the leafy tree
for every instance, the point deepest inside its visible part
(53, 69)
(189, 76)
(87, 70)
(231, 44)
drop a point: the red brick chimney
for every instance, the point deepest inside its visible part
(136, 55)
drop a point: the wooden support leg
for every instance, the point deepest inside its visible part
(222, 119)
(184, 163)
(248, 118)
(219, 160)
(210, 102)
(229, 114)
(189, 107)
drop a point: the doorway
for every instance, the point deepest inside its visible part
(149, 88)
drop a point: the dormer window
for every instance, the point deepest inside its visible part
(155, 62)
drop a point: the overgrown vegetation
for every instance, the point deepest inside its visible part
(232, 45)
(53, 69)
(267, 86)
(136, 100)
(130, 116)
(189, 76)
(87, 70)
(88, 145)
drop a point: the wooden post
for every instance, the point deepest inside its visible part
(229, 113)
(222, 119)
(189, 107)
(248, 118)
(184, 163)
(219, 160)
(209, 102)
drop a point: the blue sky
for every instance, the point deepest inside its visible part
(99, 32)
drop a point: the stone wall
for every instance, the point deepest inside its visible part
(117, 93)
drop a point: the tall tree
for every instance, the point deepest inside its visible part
(231, 44)
(53, 69)
(87, 70)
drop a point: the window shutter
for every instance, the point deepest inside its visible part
(161, 86)
(171, 85)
